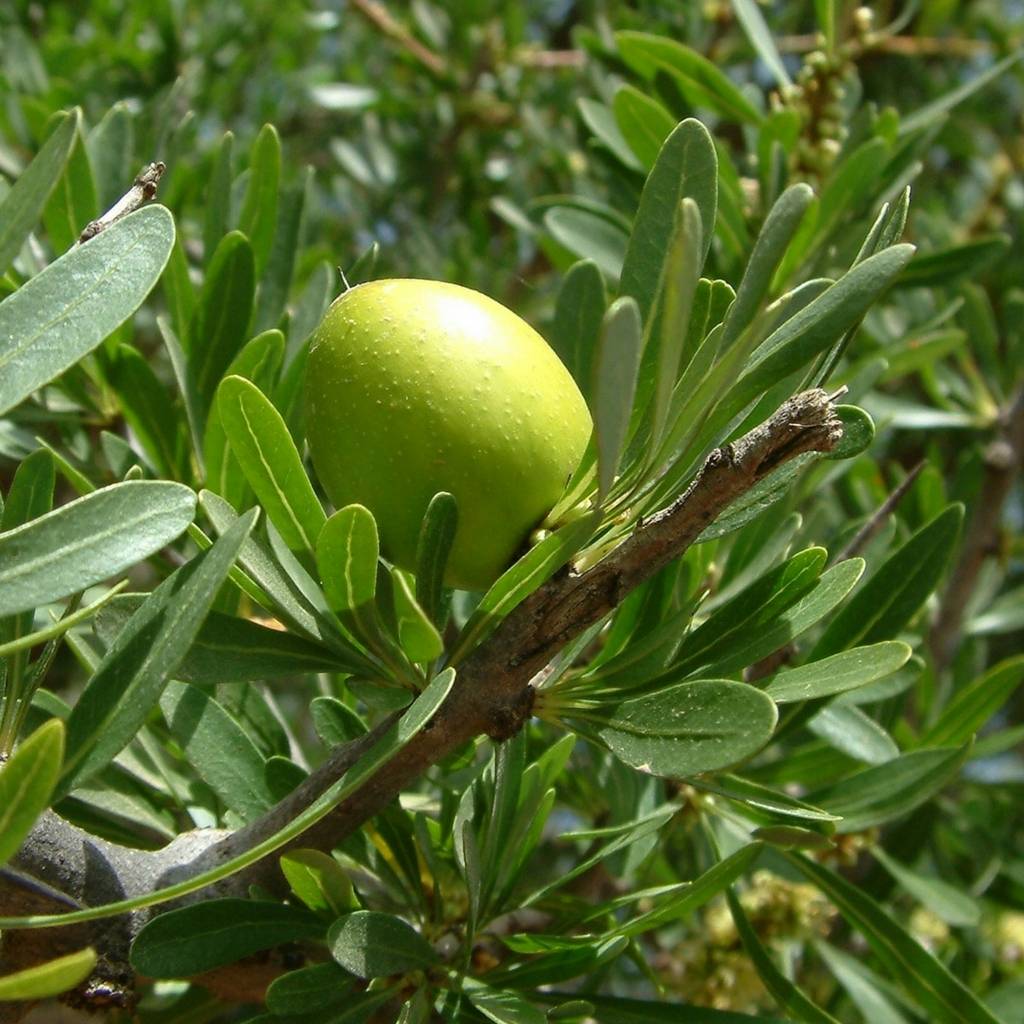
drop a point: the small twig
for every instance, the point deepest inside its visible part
(877, 520)
(550, 60)
(904, 46)
(142, 191)
(1004, 458)
(380, 17)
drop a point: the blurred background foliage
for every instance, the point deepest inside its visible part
(494, 144)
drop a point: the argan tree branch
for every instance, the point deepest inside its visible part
(492, 696)
(1004, 459)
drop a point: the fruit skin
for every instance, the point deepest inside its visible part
(414, 387)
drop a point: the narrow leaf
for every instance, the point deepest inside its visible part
(752, 21)
(218, 748)
(264, 447)
(686, 166)
(437, 534)
(24, 203)
(839, 673)
(941, 994)
(615, 373)
(890, 599)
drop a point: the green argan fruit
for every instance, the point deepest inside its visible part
(415, 387)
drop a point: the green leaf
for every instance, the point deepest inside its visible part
(258, 218)
(700, 80)
(259, 361)
(50, 978)
(693, 895)
(889, 791)
(644, 123)
(789, 997)
(280, 268)
(863, 986)
(924, 116)
(755, 607)
(900, 586)
(827, 593)
(839, 673)
(264, 447)
(310, 990)
(347, 550)
(853, 733)
(65, 311)
(73, 203)
(773, 241)
(26, 784)
(946, 901)
(974, 705)
(133, 673)
(215, 932)
(416, 633)
(220, 323)
(697, 726)
(588, 235)
(947, 266)
(940, 994)
(753, 24)
(318, 880)
(373, 945)
(88, 540)
(147, 409)
(615, 372)
(687, 166)
(437, 534)
(579, 310)
(601, 121)
(218, 196)
(269, 583)
(217, 747)
(819, 324)
(24, 203)
(682, 273)
(535, 568)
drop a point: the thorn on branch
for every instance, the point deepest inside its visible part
(142, 191)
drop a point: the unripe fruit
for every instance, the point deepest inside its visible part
(414, 387)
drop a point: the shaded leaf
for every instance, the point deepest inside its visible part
(216, 932)
(373, 945)
(24, 203)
